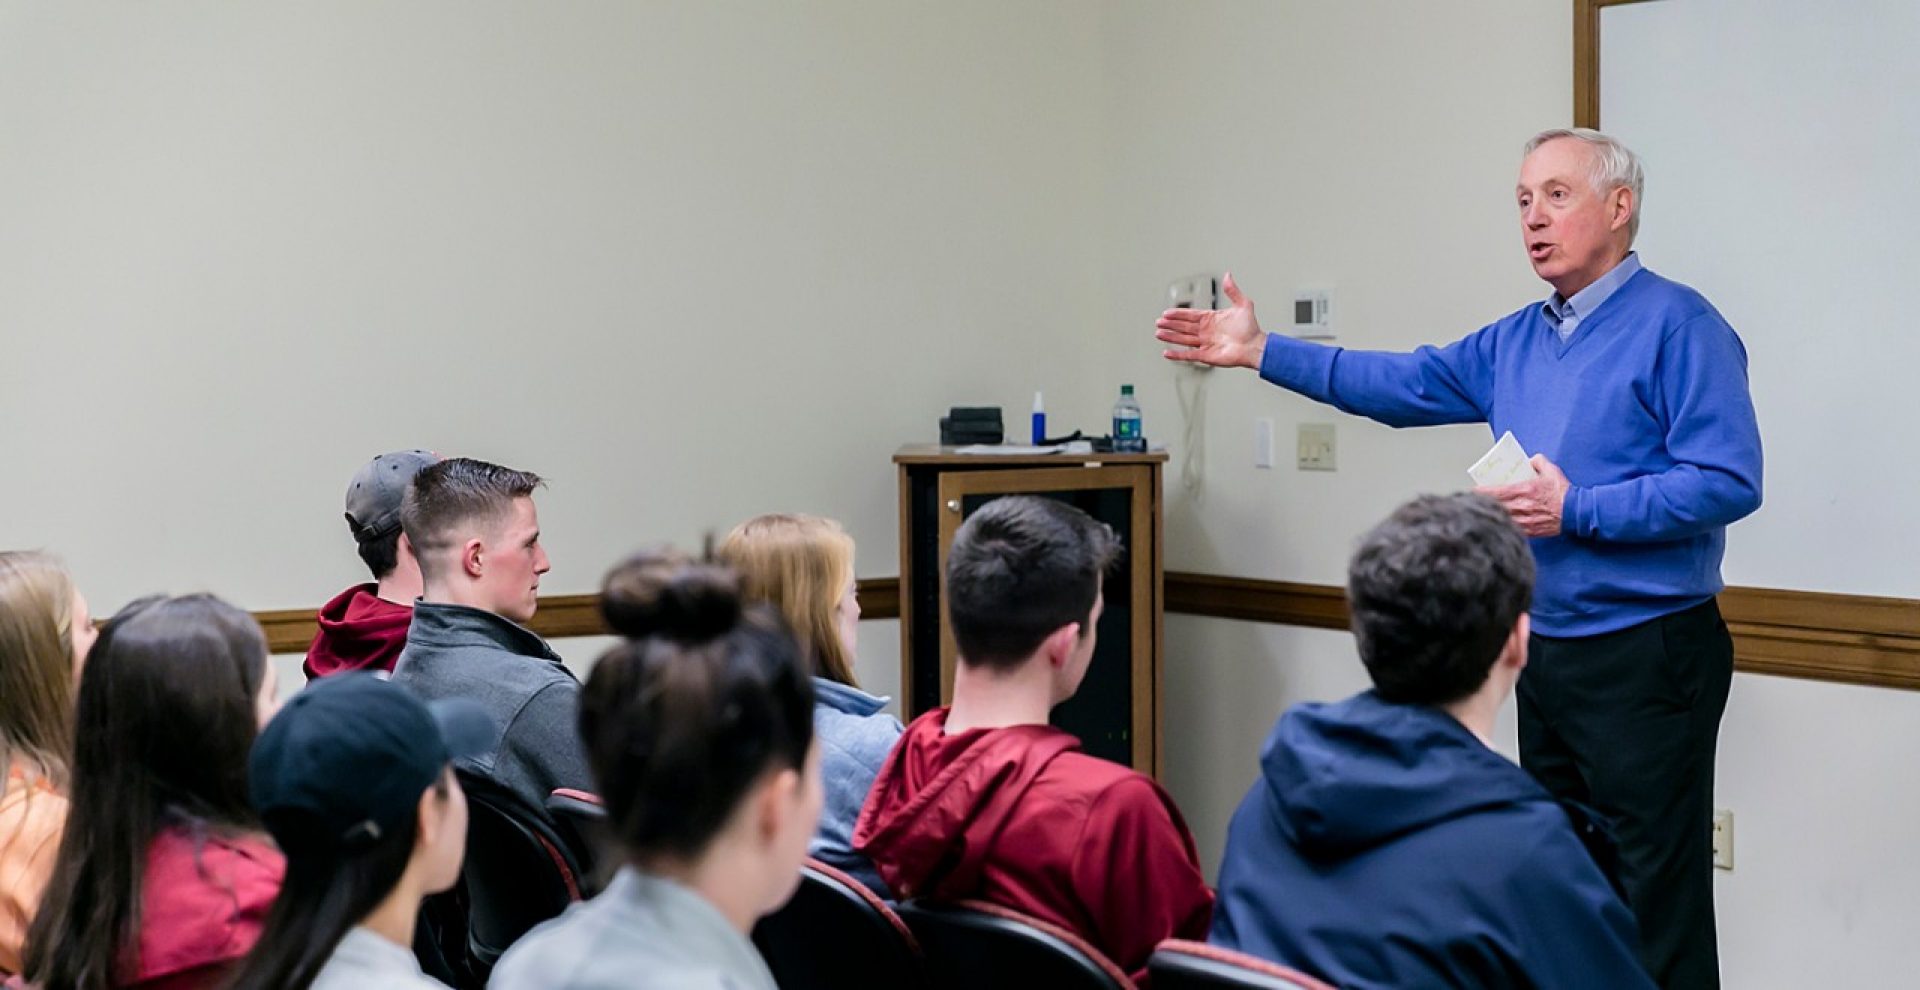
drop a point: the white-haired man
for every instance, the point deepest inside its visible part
(1631, 390)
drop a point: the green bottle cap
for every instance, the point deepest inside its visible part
(1126, 390)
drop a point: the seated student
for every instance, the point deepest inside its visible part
(700, 729)
(803, 565)
(476, 535)
(1386, 844)
(354, 780)
(45, 631)
(986, 800)
(365, 626)
(162, 877)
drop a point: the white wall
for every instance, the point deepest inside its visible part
(1367, 146)
(1372, 147)
(1776, 162)
(689, 261)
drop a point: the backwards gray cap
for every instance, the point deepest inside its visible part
(374, 496)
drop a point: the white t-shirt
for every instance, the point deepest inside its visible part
(365, 961)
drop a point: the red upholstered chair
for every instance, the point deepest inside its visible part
(1178, 964)
(835, 932)
(974, 944)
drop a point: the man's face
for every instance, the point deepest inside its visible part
(1573, 233)
(512, 563)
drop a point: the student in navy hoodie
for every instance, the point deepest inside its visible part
(1386, 844)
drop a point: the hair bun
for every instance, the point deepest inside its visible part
(662, 592)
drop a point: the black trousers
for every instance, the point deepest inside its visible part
(1627, 723)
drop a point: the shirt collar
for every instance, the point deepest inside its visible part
(1589, 299)
(846, 698)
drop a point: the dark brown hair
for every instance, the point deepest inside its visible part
(163, 722)
(1020, 568)
(703, 698)
(451, 500)
(1435, 591)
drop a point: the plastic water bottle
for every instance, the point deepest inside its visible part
(1127, 438)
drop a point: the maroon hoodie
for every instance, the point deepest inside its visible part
(359, 630)
(1019, 817)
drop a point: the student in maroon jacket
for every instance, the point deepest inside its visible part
(986, 800)
(365, 626)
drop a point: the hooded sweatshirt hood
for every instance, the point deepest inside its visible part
(941, 800)
(1345, 777)
(359, 630)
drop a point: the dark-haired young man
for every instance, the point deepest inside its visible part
(365, 626)
(986, 800)
(477, 536)
(1386, 843)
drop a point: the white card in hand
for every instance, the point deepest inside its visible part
(1505, 464)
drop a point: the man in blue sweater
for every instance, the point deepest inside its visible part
(1386, 845)
(1631, 391)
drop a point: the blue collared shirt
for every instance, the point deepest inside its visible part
(1566, 314)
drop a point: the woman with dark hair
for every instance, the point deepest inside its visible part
(803, 566)
(354, 778)
(699, 729)
(162, 877)
(45, 632)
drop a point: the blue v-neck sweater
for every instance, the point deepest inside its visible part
(1645, 407)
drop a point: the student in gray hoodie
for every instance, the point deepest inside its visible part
(700, 730)
(477, 536)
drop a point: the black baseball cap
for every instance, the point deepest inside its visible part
(377, 489)
(344, 762)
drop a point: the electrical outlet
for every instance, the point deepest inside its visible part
(1722, 839)
(1316, 448)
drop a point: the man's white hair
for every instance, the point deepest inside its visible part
(1614, 165)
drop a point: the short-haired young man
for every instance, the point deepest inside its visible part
(1386, 843)
(986, 800)
(477, 536)
(365, 626)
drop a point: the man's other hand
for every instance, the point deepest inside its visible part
(1224, 338)
(1535, 506)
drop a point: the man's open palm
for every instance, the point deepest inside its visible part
(1224, 338)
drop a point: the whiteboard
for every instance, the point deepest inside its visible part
(1782, 145)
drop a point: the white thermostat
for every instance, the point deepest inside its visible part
(1313, 313)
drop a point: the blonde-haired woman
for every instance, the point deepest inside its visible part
(45, 631)
(803, 566)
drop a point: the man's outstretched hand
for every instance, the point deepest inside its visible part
(1224, 338)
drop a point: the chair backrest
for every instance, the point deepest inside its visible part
(974, 944)
(1178, 964)
(519, 871)
(835, 932)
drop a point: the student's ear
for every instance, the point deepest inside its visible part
(473, 558)
(405, 546)
(778, 799)
(1059, 646)
(1517, 641)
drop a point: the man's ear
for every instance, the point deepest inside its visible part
(473, 558)
(404, 547)
(1622, 203)
(1059, 645)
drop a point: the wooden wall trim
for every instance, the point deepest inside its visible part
(291, 630)
(1849, 639)
(1586, 59)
